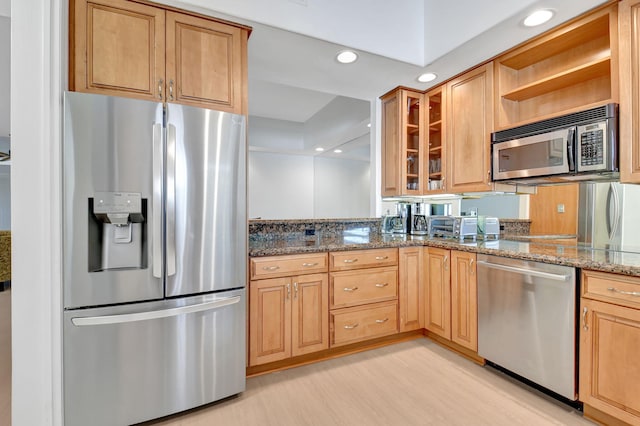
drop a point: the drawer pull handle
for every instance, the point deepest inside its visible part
(382, 321)
(350, 260)
(350, 288)
(308, 265)
(270, 268)
(380, 285)
(382, 257)
(627, 293)
(351, 327)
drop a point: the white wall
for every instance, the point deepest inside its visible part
(5, 77)
(280, 186)
(38, 58)
(341, 188)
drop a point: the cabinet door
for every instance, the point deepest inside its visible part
(469, 126)
(609, 368)
(391, 145)
(464, 300)
(629, 34)
(205, 63)
(118, 49)
(438, 293)
(269, 320)
(310, 314)
(411, 303)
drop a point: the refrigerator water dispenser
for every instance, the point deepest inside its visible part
(116, 231)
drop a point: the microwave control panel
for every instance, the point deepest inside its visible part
(591, 146)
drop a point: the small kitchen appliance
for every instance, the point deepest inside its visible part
(419, 215)
(458, 227)
(582, 146)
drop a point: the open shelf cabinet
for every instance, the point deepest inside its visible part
(565, 70)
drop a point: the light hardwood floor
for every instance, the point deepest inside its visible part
(411, 383)
(5, 358)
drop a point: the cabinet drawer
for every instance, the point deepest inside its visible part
(281, 266)
(352, 325)
(358, 259)
(618, 289)
(351, 288)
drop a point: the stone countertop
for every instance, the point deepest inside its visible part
(561, 252)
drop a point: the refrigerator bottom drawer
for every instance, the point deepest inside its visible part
(131, 363)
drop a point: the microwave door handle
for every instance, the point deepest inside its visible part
(571, 146)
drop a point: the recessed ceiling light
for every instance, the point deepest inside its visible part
(347, 56)
(319, 149)
(337, 151)
(368, 124)
(538, 17)
(427, 77)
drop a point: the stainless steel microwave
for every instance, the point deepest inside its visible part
(582, 146)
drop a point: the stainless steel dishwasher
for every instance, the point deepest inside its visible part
(527, 320)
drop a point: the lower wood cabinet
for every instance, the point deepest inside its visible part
(411, 288)
(610, 346)
(288, 315)
(363, 294)
(451, 308)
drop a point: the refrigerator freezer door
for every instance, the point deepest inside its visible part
(206, 201)
(132, 363)
(109, 156)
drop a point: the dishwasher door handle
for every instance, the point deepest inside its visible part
(524, 271)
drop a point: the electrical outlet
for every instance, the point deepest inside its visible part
(560, 208)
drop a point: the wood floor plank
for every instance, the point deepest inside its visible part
(411, 383)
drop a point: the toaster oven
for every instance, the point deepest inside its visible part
(458, 227)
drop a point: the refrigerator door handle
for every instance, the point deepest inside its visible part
(151, 315)
(157, 201)
(613, 193)
(171, 200)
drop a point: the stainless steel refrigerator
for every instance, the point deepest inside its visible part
(154, 256)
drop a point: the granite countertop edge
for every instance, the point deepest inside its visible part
(536, 252)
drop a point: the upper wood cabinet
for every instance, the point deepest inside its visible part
(436, 156)
(629, 37)
(402, 142)
(123, 48)
(468, 128)
(564, 70)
